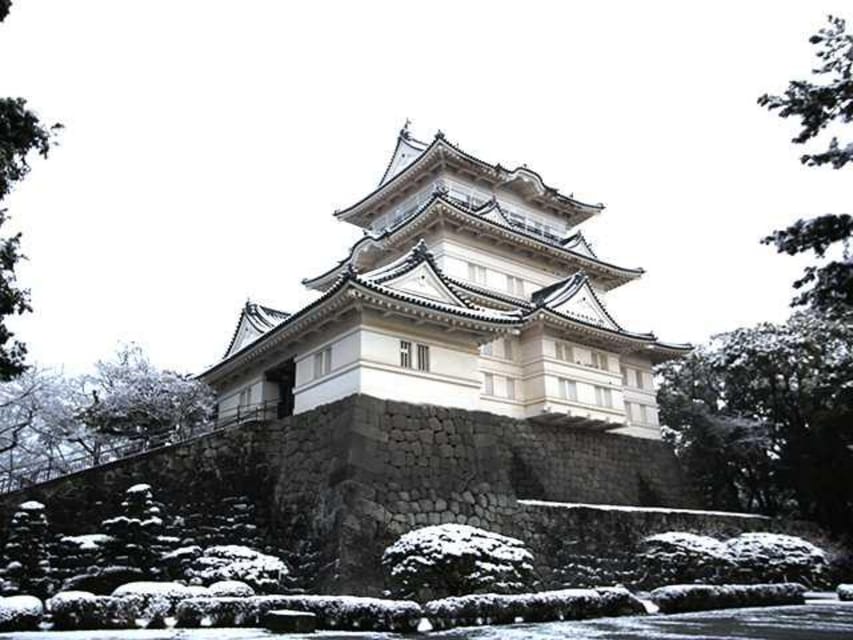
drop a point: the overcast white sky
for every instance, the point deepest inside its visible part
(207, 144)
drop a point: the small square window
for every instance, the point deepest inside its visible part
(405, 354)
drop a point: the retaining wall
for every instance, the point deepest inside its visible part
(341, 482)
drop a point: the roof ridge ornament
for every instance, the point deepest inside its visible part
(440, 189)
(421, 251)
(404, 132)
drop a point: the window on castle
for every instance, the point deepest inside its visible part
(568, 389)
(564, 352)
(476, 273)
(423, 357)
(604, 397)
(599, 360)
(624, 371)
(405, 354)
(245, 397)
(322, 362)
(488, 349)
(509, 349)
(515, 286)
(489, 384)
(510, 388)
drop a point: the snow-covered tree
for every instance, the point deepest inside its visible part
(761, 418)
(133, 398)
(26, 552)
(822, 104)
(135, 535)
(39, 423)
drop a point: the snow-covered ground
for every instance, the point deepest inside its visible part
(824, 620)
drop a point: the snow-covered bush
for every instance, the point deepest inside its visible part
(102, 580)
(150, 603)
(454, 559)
(677, 556)
(702, 597)
(333, 612)
(262, 572)
(74, 555)
(845, 592)
(26, 552)
(545, 606)
(20, 613)
(230, 589)
(176, 562)
(71, 610)
(773, 557)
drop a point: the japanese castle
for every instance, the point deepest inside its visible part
(471, 288)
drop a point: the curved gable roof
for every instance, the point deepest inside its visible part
(575, 249)
(440, 150)
(255, 320)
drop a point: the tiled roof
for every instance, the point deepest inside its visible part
(261, 318)
(440, 145)
(493, 215)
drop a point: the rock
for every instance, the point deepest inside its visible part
(287, 621)
(845, 592)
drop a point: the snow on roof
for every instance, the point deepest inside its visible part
(574, 249)
(255, 320)
(410, 154)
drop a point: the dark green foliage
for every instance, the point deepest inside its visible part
(761, 417)
(818, 105)
(20, 132)
(26, 552)
(831, 284)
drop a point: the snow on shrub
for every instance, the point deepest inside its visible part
(145, 604)
(845, 592)
(333, 612)
(88, 542)
(230, 589)
(20, 613)
(26, 551)
(773, 557)
(454, 559)
(264, 573)
(102, 580)
(545, 606)
(701, 597)
(81, 610)
(677, 556)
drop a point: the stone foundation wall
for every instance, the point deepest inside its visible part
(334, 486)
